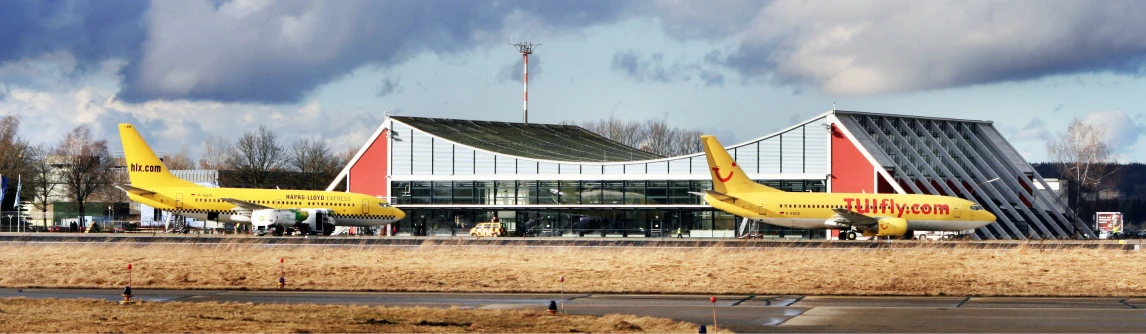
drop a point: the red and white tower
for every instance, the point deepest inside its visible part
(525, 49)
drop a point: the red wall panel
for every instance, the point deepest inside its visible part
(368, 175)
(851, 172)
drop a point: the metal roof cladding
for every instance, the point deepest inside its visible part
(537, 141)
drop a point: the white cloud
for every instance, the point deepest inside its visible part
(1122, 132)
(169, 125)
(1035, 130)
(871, 47)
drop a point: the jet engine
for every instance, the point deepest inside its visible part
(888, 227)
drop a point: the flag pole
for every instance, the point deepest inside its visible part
(19, 207)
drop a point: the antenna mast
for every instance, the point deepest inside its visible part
(525, 49)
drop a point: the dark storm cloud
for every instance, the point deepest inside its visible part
(276, 53)
(513, 72)
(647, 69)
(390, 85)
(712, 78)
(654, 68)
(91, 31)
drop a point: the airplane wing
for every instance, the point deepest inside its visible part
(245, 205)
(134, 190)
(855, 218)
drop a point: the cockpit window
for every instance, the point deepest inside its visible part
(976, 208)
(384, 204)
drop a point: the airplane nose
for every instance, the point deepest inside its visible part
(990, 216)
(401, 214)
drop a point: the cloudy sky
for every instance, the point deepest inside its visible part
(184, 70)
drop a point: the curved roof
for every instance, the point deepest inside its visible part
(537, 141)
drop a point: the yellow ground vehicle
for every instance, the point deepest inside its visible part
(488, 230)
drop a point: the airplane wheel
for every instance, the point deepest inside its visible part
(851, 235)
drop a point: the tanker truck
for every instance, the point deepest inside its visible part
(280, 222)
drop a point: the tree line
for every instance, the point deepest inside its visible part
(82, 169)
(653, 136)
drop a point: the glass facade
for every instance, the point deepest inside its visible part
(543, 208)
(561, 193)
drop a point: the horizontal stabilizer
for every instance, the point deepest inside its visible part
(721, 196)
(134, 190)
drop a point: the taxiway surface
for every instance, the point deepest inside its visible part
(740, 313)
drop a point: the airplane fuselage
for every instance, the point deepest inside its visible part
(816, 210)
(348, 209)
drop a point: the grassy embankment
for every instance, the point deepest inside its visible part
(917, 271)
(96, 316)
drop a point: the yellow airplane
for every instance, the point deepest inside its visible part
(267, 210)
(879, 215)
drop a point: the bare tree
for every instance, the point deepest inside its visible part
(347, 155)
(653, 136)
(256, 155)
(621, 131)
(179, 161)
(87, 164)
(686, 142)
(1085, 159)
(316, 163)
(110, 194)
(15, 158)
(658, 138)
(215, 151)
(42, 181)
(14, 151)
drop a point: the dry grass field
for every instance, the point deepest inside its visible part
(917, 271)
(22, 315)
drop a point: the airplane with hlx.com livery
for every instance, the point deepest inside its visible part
(271, 211)
(878, 215)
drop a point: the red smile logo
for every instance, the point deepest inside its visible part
(883, 226)
(723, 179)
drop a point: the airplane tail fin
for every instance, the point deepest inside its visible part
(144, 168)
(727, 177)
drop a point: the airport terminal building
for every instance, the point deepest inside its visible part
(545, 179)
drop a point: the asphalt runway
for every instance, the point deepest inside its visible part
(740, 313)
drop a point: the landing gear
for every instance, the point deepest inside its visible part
(848, 235)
